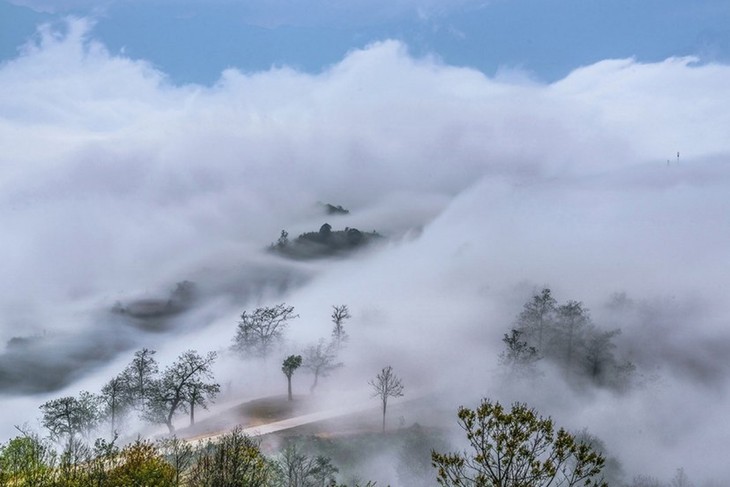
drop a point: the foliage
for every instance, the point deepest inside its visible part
(519, 357)
(517, 449)
(386, 384)
(260, 330)
(234, 461)
(290, 364)
(27, 461)
(141, 465)
(566, 336)
(323, 243)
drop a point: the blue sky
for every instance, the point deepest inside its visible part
(193, 41)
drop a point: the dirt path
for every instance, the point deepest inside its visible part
(285, 424)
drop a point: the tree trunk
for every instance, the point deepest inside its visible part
(385, 404)
(314, 384)
(288, 378)
(192, 413)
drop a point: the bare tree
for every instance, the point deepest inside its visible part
(320, 359)
(199, 393)
(116, 399)
(68, 416)
(259, 331)
(140, 374)
(290, 364)
(339, 315)
(170, 393)
(386, 384)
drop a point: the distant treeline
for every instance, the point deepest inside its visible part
(323, 243)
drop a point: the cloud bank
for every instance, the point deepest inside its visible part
(116, 183)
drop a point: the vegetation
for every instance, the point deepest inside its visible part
(290, 364)
(517, 448)
(259, 331)
(565, 335)
(340, 314)
(320, 360)
(182, 386)
(386, 384)
(323, 243)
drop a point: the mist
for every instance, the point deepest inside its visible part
(117, 184)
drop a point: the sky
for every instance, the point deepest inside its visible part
(193, 41)
(140, 153)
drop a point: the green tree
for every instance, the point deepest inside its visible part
(290, 364)
(517, 448)
(141, 465)
(386, 384)
(259, 331)
(27, 461)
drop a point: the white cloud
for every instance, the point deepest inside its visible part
(115, 182)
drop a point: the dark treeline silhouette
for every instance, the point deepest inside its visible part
(565, 335)
(323, 243)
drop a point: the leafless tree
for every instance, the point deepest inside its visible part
(320, 359)
(260, 330)
(170, 393)
(339, 315)
(386, 384)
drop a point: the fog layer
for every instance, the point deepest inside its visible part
(115, 185)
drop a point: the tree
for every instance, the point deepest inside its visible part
(140, 464)
(290, 364)
(681, 479)
(27, 461)
(234, 461)
(320, 359)
(517, 449)
(199, 393)
(179, 454)
(116, 398)
(68, 416)
(339, 315)
(170, 393)
(572, 321)
(259, 331)
(386, 384)
(519, 357)
(537, 317)
(140, 374)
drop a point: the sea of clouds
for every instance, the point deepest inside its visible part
(115, 184)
